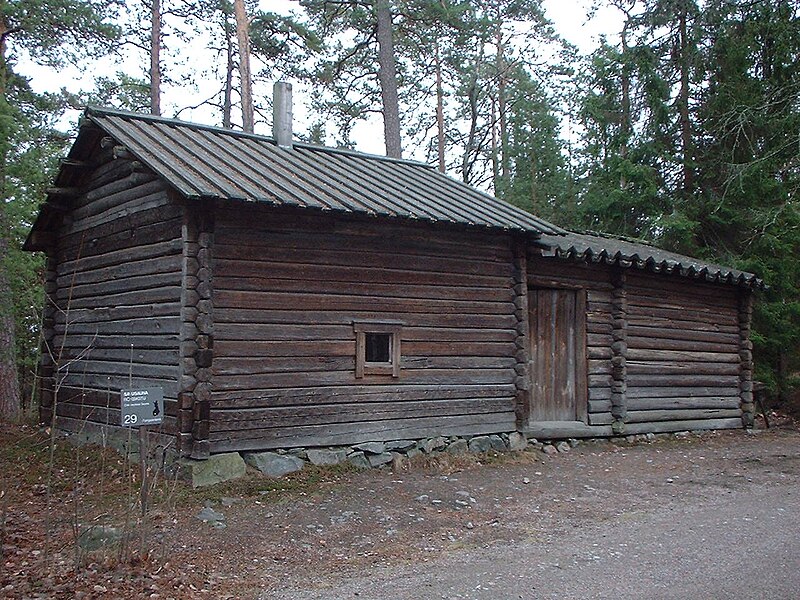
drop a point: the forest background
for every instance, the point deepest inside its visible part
(682, 128)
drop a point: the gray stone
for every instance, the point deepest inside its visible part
(376, 460)
(482, 443)
(400, 445)
(371, 447)
(215, 469)
(273, 464)
(517, 441)
(359, 460)
(433, 444)
(497, 443)
(549, 449)
(399, 462)
(573, 442)
(209, 515)
(322, 458)
(650, 437)
(99, 536)
(226, 501)
(681, 434)
(458, 446)
(413, 453)
(562, 447)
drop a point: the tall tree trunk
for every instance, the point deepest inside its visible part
(9, 384)
(495, 151)
(243, 36)
(387, 76)
(502, 117)
(227, 101)
(625, 117)
(683, 107)
(439, 110)
(472, 97)
(155, 58)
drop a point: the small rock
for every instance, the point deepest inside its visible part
(225, 501)
(470, 525)
(562, 447)
(497, 443)
(272, 464)
(322, 457)
(215, 469)
(650, 437)
(670, 480)
(549, 449)
(413, 453)
(517, 441)
(371, 447)
(422, 498)
(433, 444)
(359, 460)
(458, 446)
(681, 434)
(376, 460)
(480, 444)
(400, 445)
(209, 515)
(525, 480)
(573, 442)
(399, 462)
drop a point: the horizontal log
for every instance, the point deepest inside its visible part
(124, 342)
(267, 272)
(657, 343)
(155, 266)
(717, 402)
(118, 313)
(679, 381)
(336, 317)
(415, 376)
(139, 252)
(635, 367)
(653, 416)
(353, 413)
(691, 425)
(355, 393)
(677, 324)
(545, 430)
(650, 331)
(269, 300)
(225, 367)
(671, 356)
(635, 391)
(138, 327)
(165, 295)
(599, 406)
(371, 290)
(348, 434)
(103, 288)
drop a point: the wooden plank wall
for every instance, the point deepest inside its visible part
(287, 288)
(683, 359)
(117, 286)
(596, 280)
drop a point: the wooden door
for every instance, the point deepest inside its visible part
(558, 355)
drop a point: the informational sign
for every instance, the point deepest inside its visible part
(141, 407)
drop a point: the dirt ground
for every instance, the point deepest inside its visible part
(314, 529)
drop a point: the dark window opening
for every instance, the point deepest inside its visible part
(378, 347)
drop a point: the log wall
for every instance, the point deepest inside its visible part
(683, 364)
(287, 290)
(114, 286)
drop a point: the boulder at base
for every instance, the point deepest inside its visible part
(215, 469)
(273, 464)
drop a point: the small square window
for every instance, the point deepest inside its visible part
(377, 348)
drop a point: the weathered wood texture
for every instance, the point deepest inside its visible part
(745, 315)
(522, 343)
(287, 289)
(683, 352)
(113, 287)
(546, 273)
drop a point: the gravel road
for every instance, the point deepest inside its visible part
(716, 533)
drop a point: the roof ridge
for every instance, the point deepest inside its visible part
(100, 111)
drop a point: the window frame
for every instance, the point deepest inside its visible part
(390, 368)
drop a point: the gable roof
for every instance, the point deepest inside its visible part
(625, 253)
(202, 162)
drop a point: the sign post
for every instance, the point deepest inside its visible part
(140, 408)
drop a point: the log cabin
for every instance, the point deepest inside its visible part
(286, 295)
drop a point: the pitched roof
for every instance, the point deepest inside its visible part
(625, 253)
(210, 162)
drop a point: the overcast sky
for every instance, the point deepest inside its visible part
(568, 16)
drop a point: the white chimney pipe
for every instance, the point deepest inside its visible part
(282, 113)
